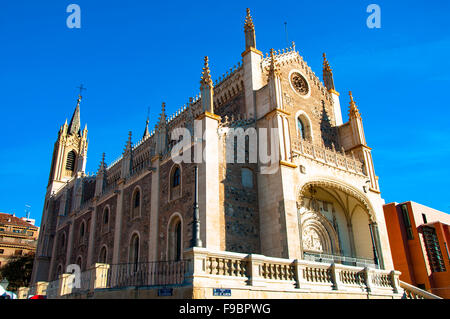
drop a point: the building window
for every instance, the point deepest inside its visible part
(82, 231)
(406, 220)
(424, 217)
(103, 255)
(79, 261)
(176, 177)
(175, 189)
(301, 128)
(136, 203)
(175, 241)
(247, 177)
(18, 252)
(105, 225)
(134, 252)
(433, 250)
(63, 240)
(59, 271)
(2, 251)
(70, 163)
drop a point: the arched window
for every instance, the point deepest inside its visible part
(63, 240)
(105, 225)
(79, 262)
(175, 239)
(103, 255)
(82, 231)
(70, 163)
(136, 203)
(175, 184)
(134, 251)
(59, 271)
(176, 177)
(304, 130)
(301, 129)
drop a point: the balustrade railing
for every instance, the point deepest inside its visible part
(158, 273)
(412, 292)
(236, 270)
(328, 156)
(339, 259)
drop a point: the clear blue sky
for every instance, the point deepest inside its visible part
(134, 54)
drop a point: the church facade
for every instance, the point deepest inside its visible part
(317, 204)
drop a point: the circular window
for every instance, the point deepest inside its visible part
(299, 83)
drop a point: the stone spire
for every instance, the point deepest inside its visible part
(129, 144)
(74, 126)
(249, 30)
(162, 116)
(206, 88)
(273, 68)
(353, 111)
(206, 80)
(102, 167)
(328, 75)
(146, 131)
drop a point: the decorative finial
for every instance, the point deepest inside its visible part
(326, 65)
(353, 111)
(206, 80)
(293, 46)
(249, 26)
(273, 69)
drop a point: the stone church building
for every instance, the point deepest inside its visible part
(314, 224)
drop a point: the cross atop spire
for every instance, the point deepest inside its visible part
(81, 89)
(206, 80)
(353, 111)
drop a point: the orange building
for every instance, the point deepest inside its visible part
(419, 237)
(18, 236)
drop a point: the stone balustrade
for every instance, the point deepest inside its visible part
(412, 292)
(330, 157)
(209, 268)
(67, 284)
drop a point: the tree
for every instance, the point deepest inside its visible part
(18, 271)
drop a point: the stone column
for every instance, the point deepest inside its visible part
(90, 257)
(208, 179)
(154, 209)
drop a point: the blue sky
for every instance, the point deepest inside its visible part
(132, 55)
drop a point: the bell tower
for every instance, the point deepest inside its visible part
(69, 152)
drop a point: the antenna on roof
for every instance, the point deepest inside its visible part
(27, 211)
(285, 30)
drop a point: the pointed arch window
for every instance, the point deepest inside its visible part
(301, 128)
(70, 163)
(175, 183)
(136, 204)
(176, 177)
(175, 240)
(103, 255)
(134, 252)
(105, 224)
(82, 231)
